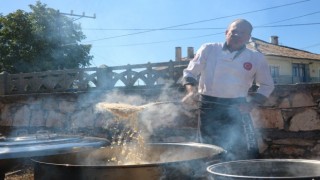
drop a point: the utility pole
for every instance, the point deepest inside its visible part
(83, 15)
(70, 14)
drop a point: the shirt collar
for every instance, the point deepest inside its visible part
(225, 47)
(237, 53)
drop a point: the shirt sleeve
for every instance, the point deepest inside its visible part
(263, 78)
(195, 66)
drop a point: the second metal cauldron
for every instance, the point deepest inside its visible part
(266, 169)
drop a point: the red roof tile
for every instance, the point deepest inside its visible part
(270, 49)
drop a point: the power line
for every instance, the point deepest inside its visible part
(311, 46)
(157, 42)
(206, 28)
(261, 26)
(294, 17)
(196, 22)
(212, 28)
(288, 25)
(153, 29)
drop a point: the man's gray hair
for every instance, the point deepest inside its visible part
(244, 22)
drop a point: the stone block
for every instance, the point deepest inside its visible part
(272, 101)
(292, 150)
(67, 107)
(83, 118)
(292, 141)
(104, 120)
(307, 120)
(267, 118)
(22, 116)
(285, 103)
(37, 118)
(50, 104)
(302, 99)
(6, 116)
(262, 145)
(56, 120)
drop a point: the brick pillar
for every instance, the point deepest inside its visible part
(178, 54)
(190, 53)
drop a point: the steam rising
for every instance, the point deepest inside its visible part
(131, 121)
(162, 112)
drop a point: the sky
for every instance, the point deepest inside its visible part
(141, 31)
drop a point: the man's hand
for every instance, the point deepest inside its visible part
(254, 101)
(191, 98)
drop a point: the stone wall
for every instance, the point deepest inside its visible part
(287, 126)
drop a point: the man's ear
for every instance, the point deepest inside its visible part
(249, 37)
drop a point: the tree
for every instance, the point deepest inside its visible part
(41, 40)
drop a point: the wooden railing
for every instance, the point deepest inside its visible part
(148, 75)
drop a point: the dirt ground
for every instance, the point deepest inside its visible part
(24, 174)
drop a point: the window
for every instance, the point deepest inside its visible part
(274, 70)
(298, 70)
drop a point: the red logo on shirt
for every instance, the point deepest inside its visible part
(247, 66)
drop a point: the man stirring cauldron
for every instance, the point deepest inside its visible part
(224, 73)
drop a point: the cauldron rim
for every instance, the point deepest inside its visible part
(194, 144)
(209, 168)
(60, 144)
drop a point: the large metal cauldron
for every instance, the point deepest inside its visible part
(163, 161)
(17, 149)
(266, 169)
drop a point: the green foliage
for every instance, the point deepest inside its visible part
(41, 40)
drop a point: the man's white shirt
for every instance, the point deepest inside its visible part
(228, 74)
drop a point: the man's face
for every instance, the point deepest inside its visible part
(237, 35)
